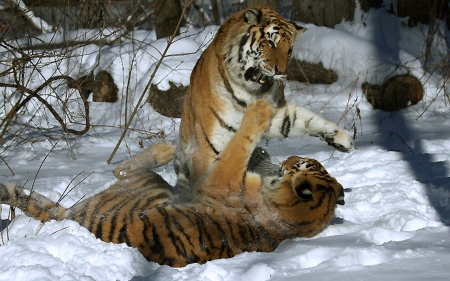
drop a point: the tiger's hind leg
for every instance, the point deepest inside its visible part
(155, 156)
(119, 213)
(137, 190)
(34, 205)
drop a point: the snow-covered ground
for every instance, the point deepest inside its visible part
(393, 226)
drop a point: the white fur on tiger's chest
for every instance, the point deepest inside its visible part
(232, 111)
(231, 117)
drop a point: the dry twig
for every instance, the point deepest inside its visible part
(144, 92)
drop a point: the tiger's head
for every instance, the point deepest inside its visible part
(257, 46)
(308, 176)
(305, 194)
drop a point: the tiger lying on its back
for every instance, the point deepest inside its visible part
(233, 210)
(246, 61)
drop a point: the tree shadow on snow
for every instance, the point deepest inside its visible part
(397, 134)
(400, 135)
(4, 224)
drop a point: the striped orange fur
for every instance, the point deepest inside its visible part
(232, 210)
(246, 61)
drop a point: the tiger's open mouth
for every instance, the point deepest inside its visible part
(255, 75)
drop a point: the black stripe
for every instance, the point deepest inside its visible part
(254, 39)
(291, 205)
(242, 44)
(223, 239)
(146, 222)
(73, 213)
(182, 247)
(163, 212)
(265, 234)
(210, 143)
(96, 214)
(81, 217)
(243, 233)
(325, 195)
(157, 249)
(114, 211)
(286, 126)
(180, 227)
(230, 226)
(299, 225)
(205, 241)
(227, 84)
(99, 230)
(222, 122)
(307, 122)
(240, 102)
(161, 195)
(178, 244)
(294, 118)
(123, 233)
(222, 76)
(203, 235)
(113, 221)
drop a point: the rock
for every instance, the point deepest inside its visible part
(310, 72)
(396, 93)
(168, 103)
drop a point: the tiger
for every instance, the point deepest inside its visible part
(247, 60)
(233, 210)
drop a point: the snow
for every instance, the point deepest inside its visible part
(394, 224)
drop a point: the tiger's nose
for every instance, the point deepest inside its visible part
(278, 71)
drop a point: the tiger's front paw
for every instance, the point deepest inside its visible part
(339, 140)
(259, 114)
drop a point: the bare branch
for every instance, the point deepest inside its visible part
(144, 92)
(37, 22)
(35, 94)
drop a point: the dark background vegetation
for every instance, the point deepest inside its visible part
(163, 15)
(166, 17)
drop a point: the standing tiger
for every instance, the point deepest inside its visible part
(233, 210)
(246, 61)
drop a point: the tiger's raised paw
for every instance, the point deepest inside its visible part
(259, 114)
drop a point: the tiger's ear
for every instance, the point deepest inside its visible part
(252, 16)
(304, 191)
(300, 29)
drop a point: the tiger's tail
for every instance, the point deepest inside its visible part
(33, 205)
(138, 167)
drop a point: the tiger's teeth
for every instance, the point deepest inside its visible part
(262, 81)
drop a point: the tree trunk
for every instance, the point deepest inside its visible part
(323, 12)
(423, 11)
(167, 15)
(215, 11)
(367, 4)
(270, 3)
